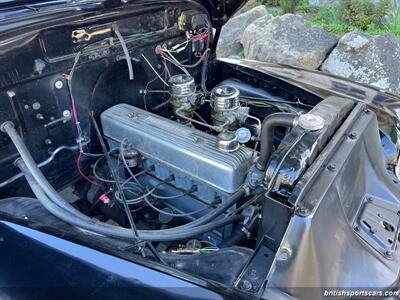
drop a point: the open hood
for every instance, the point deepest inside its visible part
(222, 9)
(219, 10)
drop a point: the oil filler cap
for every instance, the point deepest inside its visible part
(227, 141)
(243, 135)
(311, 122)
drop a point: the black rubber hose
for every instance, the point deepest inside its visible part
(8, 127)
(267, 135)
(98, 227)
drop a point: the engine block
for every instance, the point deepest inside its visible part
(189, 154)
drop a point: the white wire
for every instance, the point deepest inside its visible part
(154, 70)
(176, 64)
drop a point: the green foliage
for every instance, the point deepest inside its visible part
(289, 6)
(277, 13)
(349, 15)
(393, 24)
(363, 13)
(306, 8)
(338, 28)
(358, 15)
(270, 2)
(329, 15)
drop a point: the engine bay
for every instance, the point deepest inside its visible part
(128, 129)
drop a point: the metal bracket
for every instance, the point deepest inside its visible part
(378, 224)
(254, 274)
(80, 35)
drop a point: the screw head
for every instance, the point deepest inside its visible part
(36, 105)
(59, 84)
(66, 113)
(353, 135)
(331, 167)
(302, 211)
(388, 253)
(356, 228)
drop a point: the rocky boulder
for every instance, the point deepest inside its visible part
(374, 60)
(288, 39)
(231, 33)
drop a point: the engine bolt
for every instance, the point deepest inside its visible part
(283, 255)
(59, 84)
(246, 285)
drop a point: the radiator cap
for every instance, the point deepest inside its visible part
(311, 122)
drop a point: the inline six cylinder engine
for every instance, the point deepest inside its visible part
(171, 148)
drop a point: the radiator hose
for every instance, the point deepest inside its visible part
(59, 207)
(267, 135)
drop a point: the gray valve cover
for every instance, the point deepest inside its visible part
(178, 147)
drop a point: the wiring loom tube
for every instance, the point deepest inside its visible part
(126, 51)
(56, 205)
(267, 135)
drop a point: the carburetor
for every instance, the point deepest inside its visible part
(227, 114)
(183, 95)
(226, 109)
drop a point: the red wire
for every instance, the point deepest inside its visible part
(78, 159)
(78, 166)
(202, 35)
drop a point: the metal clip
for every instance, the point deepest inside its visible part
(81, 34)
